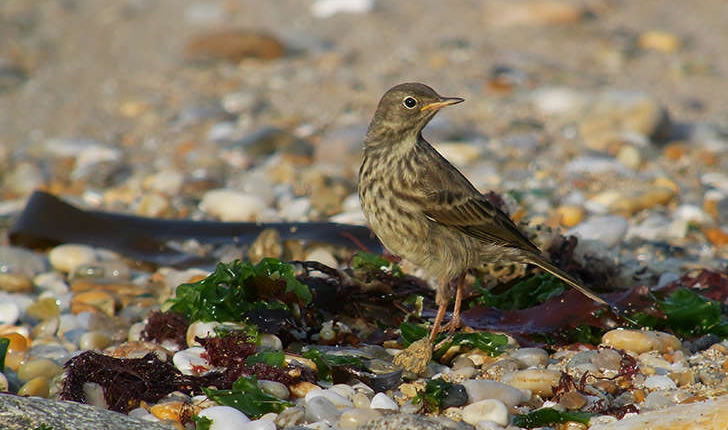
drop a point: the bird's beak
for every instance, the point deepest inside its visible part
(445, 101)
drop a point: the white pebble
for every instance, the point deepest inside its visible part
(537, 381)
(323, 256)
(486, 410)
(479, 389)
(230, 205)
(609, 229)
(353, 418)
(531, 357)
(190, 361)
(270, 342)
(9, 312)
(200, 329)
(261, 424)
(51, 281)
(224, 418)
(337, 399)
(68, 257)
(168, 182)
(383, 402)
(327, 8)
(659, 382)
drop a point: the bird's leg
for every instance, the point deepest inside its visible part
(455, 322)
(442, 299)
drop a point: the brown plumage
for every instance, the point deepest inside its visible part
(423, 209)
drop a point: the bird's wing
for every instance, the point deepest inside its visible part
(474, 215)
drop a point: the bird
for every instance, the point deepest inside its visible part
(424, 210)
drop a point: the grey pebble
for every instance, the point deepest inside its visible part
(413, 422)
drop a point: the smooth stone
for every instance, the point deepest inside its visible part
(23, 179)
(231, 205)
(658, 40)
(190, 361)
(15, 283)
(168, 410)
(335, 398)
(260, 424)
(659, 382)
(320, 408)
(93, 340)
(383, 402)
(572, 400)
(202, 330)
(274, 388)
(360, 400)
(607, 359)
(327, 8)
(44, 309)
(561, 101)
(224, 417)
(52, 282)
(270, 140)
(640, 341)
(270, 342)
(481, 389)
(21, 261)
(486, 410)
(9, 312)
(609, 230)
(323, 256)
(455, 396)
(657, 400)
(531, 357)
(154, 206)
(353, 418)
(538, 381)
(407, 422)
(267, 245)
(168, 182)
(66, 258)
(94, 301)
(344, 390)
(38, 387)
(618, 115)
(570, 215)
(302, 389)
(290, 417)
(630, 156)
(38, 367)
(4, 384)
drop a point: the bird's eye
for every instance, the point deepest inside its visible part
(409, 102)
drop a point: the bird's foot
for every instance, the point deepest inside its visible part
(416, 357)
(452, 325)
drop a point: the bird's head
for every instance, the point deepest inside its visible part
(403, 112)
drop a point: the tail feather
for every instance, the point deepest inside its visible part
(549, 267)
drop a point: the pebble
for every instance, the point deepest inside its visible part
(538, 381)
(290, 417)
(23, 179)
(640, 341)
(609, 229)
(38, 367)
(20, 261)
(657, 40)
(231, 205)
(9, 312)
(558, 101)
(572, 400)
(531, 357)
(224, 417)
(94, 301)
(618, 115)
(66, 258)
(202, 330)
(15, 283)
(406, 422)
(335, 398)
(320, 408)
(274, 388)
(94, 340)
(232, 45)
(327, 8)
(481, 389)
(261, 424)
(353, 418)
(383, 402)
(659, 382)
(190, 361)
(532, 13)
(37, 386)
(486, 410)
(44, 308)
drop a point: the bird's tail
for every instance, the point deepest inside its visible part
(549, 267)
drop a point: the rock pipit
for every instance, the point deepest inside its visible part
(423, 209)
